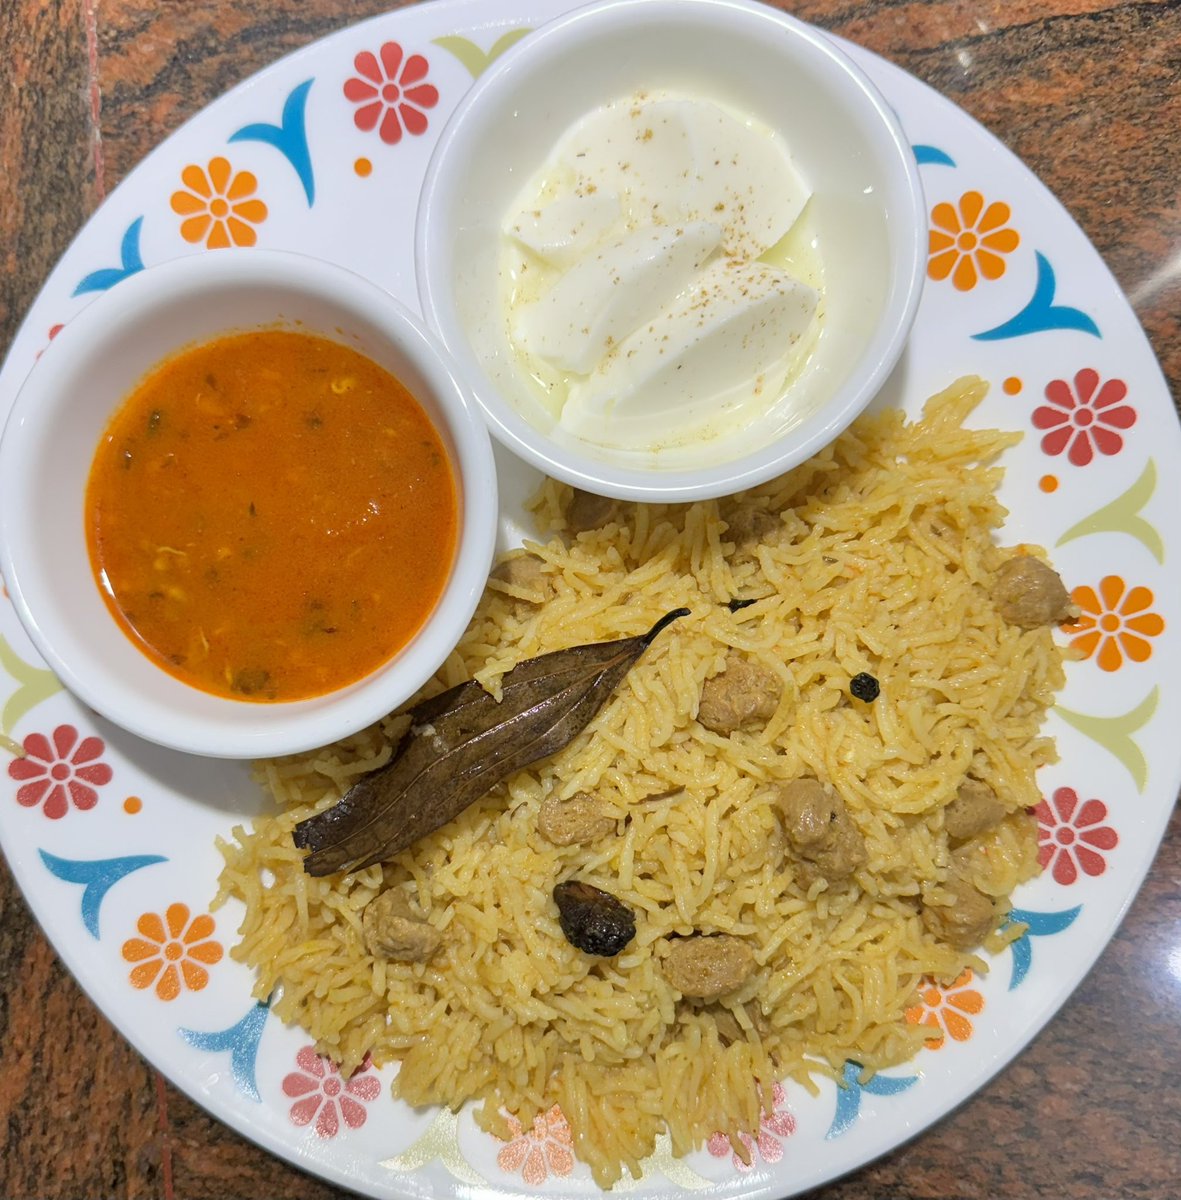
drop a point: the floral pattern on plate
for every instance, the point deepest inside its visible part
(540, 1151)
(172, 952)
(60, 771)
(1074, 837)
(948, 1011)
(970, 240)
(391, 93)
(774, 1130)
(218, 205)
(323, 1096)
(1116, 623)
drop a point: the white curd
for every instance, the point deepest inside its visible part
(654, 285)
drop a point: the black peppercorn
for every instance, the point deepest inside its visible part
(593, 921)
(865, 687)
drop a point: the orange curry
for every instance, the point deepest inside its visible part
(270, 516)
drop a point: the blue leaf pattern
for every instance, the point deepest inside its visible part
(926, 155)
(97, 876)
(241, 1040)
(1022, 960)
(1041, 313)
(849, 1096)
(1040, 924)
(130, 259)
(290, 137)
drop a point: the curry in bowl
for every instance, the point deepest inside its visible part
(271, 515)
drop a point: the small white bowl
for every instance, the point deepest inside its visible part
(53, 432)
(868, 208)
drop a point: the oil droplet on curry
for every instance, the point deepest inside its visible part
(271, 516)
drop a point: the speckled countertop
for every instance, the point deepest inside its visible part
(1088, 93)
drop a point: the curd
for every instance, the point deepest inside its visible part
(650, 287)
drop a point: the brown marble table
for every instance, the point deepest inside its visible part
(1088, 93)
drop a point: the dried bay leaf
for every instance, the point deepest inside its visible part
(461, 744)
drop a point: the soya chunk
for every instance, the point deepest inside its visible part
(393, 931)
(588, 511)
(706, 966)
(574, 822)
(819, 828)
(749, 525)
(964, 923)
(974, 809)
(744, 692)
(1027, 593)
(522, 571)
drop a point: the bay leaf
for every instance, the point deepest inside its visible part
(462, 743)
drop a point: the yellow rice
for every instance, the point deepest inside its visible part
(883, 564)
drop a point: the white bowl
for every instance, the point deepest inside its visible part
(870, 221)
(53, 432)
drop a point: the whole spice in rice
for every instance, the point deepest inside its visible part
(593, 920)
(461, 744)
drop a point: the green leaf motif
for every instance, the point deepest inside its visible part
(672, 1168)
(1122, 515)
(440, 1141)
(475, 59)
(1114, 734)
(35, 684)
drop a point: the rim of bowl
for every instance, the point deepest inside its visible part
(570, 465)
(285, 727)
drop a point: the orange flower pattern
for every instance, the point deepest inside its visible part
(171, 951)
(219, 206)
(1115, 623)
(545, 1149)
(967, 242)
(947, 1010)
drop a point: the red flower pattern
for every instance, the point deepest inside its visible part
(1072, 836)
(1084, 418)
(58, 774)
(391, 92)
(541, 1151)
(773, 1131)
(321, 1095)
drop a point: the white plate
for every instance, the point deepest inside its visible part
(1070, 366)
